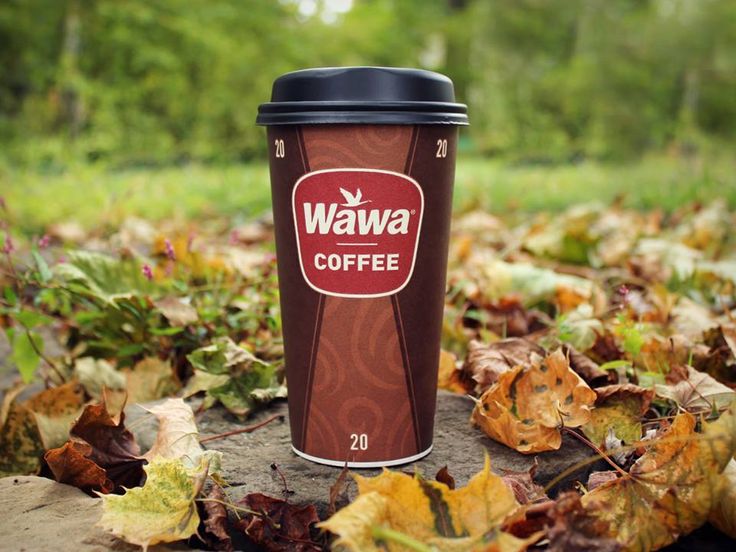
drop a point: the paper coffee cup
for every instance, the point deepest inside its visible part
(362, 164)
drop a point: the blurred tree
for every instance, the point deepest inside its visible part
(160, 81)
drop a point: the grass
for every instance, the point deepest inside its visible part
(98, 198)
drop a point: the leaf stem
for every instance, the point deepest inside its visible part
(592, 445)
(231, 505)
(40, 354)
(382, 533)
(247, 429)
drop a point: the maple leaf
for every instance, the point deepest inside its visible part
(233, 376)
(279, 526)
(698, 392)
(163, 510)
(573, 529)
(39, 423)
(149, 380)
(618, 408)
(113, 447)
(448, 376)
(527, 406)
(425, 511)
(485, 363)
(70, 464)
(672, 489)
(723, 512)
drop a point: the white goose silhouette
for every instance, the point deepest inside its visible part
(353, 200)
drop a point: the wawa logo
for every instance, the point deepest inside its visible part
(357, 230)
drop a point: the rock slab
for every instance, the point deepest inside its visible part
(247, 457)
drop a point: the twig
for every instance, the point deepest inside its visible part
(286, 491)
(595, 448)
(231, 505)
(246, 429)
(40, 354)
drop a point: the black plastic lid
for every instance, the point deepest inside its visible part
(365, 95)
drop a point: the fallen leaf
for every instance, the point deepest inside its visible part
(70, 464)
(699, 392)
(250, 381)
(177, 311)
(39, 423)
(723, 512)
(485, 363)
(527, 407)
(178, 436)
(671, 490)
(579, 327)
(163, 510)
(443, 476)
(216, 521)
(598, 478)
(21, 447)
(427, 511)
(281, 526)
(338, 490)
(113, 447)
(448, 375)
(96, 375)
(526, 491)
(574, 529)
(720, 359)
(149, 380)
(585, 367)
(618, 408)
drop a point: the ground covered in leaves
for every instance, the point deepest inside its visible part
(615, 327)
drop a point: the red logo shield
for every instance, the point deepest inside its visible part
(357, 230)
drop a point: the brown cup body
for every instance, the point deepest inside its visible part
(362, 347)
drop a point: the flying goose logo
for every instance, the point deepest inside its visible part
(353, 200)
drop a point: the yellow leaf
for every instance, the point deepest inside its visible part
(424, 511)
(163, 510)
(448, 376)
(723, 513)
(671, 489)
(526, 407)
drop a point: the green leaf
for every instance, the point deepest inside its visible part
(615, 365)
(31, 319)
(24, 355)
(44, 271)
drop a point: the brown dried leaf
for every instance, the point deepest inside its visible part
(585, 367)
(337, 489)
(281, 526)
(573, 529)
(443, 476)
(485, 363)
(527, 406)
(698, 393)
(113, 447)
(598, 478)
(70, 464)
(720, 360)
(177, 311)
(215, 521)
(522, 484)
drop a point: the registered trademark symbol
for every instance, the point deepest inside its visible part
(413, 211)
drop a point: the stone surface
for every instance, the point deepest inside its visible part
(247, 457)
(40, 514)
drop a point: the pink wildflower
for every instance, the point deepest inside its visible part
(234, 237)
(147, 272)
(170, 253)
(8, 248)
(44, 242)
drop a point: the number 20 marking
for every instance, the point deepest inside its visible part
(280, 149)
(441, 149)
(359, 441)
